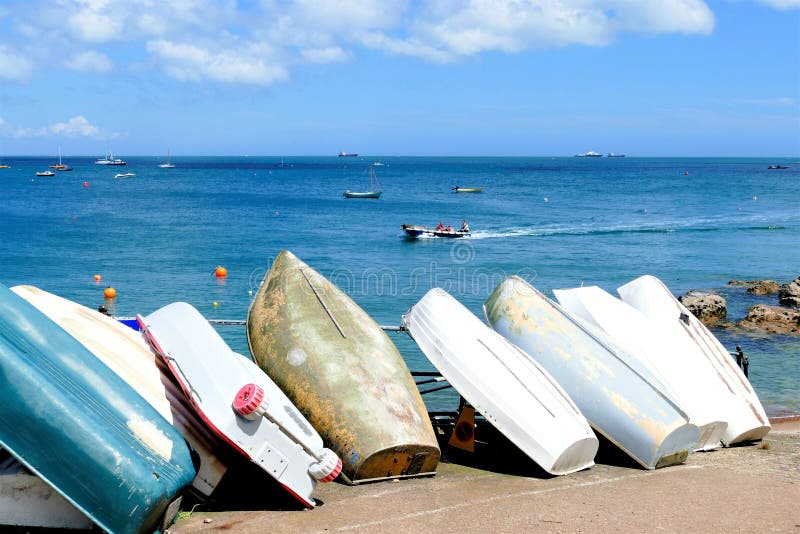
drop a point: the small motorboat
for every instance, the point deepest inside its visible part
(415, 231)
(775, 167)
(45, 173)
(459, 189)
(124, 175)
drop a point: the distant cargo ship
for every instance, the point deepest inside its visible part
(348, 154)
(613, 155)
(589, 154)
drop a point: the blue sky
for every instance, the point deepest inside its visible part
(400, 77)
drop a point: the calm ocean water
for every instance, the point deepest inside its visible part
(558, 222)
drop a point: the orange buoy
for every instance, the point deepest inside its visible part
(85, 184)
(97, 278)
(221, 272)
(110, 293)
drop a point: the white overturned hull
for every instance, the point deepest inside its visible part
(126, 353)
(618, 396)
(502, 383)
(737, 400)
(279, 440)
(690, 381)
(28, 501)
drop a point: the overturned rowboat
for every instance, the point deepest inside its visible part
(503, 384)
(620, 398)
(689, 380)
(77, 425)
(126, 353)
(238, 402)
(734, 398)
(342, 372)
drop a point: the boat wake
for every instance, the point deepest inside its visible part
(705, 225)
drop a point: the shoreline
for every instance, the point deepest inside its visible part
(754, 487)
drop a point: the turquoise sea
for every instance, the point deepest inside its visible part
(558, 222)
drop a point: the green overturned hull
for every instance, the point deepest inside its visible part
(82, 429)
(342, 372)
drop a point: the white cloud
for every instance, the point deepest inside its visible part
(247, 64)
(258, 42)
(13, 66)
(90, 62)
(94, 26)
(781, 4)
(330, 54)
(456, 29)
(76, 126)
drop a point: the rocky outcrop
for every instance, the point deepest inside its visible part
(711, 309)
(757, 287)
(763, 287)
(789, 294)
(773, 319)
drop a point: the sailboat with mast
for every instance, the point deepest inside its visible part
(374, 187)
(168, 164)
(61, 166)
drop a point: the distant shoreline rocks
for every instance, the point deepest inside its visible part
(712, 309)
(789, 294)
(758, 287)
(772, 319)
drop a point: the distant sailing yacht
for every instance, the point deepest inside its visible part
(168, 164)
(60, 166)
(374, 187)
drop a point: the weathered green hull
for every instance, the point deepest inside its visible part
(77, 425)
(343, 372)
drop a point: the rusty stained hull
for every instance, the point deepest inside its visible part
(342, 372)
(619, 399)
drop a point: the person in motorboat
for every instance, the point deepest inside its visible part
(448, 229)
(464, 226)
(440, 226)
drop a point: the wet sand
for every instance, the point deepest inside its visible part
(751, 488)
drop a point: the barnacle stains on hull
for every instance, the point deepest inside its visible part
(342, 372)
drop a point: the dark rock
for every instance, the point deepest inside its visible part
(763, 287)
(738, 282)
(773, 319)
(789, 294)
(709, 308)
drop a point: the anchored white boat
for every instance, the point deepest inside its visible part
(620, 398)
(126, 353)
(503, 384)
(167, 164)
(109, 160)
(124, 175)
(240, 403)
(737, 400)
(690, 381)
(374, 187)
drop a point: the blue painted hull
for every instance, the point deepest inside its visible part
(81, 428)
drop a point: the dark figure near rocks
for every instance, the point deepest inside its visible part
(739, 356)
(745, 364)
